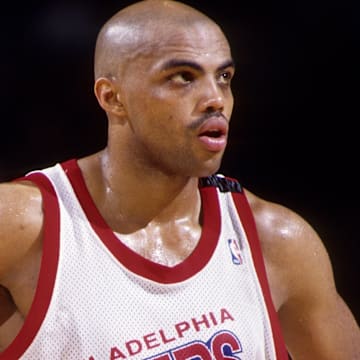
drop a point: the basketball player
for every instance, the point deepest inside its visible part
(140, 251)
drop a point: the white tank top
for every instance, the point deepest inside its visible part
(98, 300)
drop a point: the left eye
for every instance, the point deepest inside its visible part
(225, 77)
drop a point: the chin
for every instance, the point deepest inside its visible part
(209, 168)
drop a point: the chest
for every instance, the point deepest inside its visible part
(135, 307)
(167, 244)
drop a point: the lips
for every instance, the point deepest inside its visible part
(213, 133)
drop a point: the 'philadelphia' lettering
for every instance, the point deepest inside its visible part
(134, 347)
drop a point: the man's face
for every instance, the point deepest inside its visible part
(178, 100)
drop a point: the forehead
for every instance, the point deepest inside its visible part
(199, 43)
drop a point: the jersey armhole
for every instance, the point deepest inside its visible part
(247, 218)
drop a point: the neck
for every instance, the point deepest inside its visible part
(130, 199)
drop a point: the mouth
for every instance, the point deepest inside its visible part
(213, 134)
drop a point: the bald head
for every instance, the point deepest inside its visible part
(139, 28)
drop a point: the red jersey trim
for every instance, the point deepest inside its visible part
(133, 261)
(246, 216)
(48, 267)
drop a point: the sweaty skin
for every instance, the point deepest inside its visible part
(162, 71)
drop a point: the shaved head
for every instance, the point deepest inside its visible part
(140, 28)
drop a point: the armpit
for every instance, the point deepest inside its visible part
(7, 306)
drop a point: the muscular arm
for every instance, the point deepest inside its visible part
(20, 235)
(316, 322)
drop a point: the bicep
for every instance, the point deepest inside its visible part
(316, 322)
(325, 330)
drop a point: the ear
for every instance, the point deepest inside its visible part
(108, 96)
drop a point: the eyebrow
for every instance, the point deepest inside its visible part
(175, 63)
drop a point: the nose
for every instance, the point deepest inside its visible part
(211, 98)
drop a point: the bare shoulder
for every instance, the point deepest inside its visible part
(316, 322)
(20, 222)
(283, 232)
(289, 244)
(295, 256)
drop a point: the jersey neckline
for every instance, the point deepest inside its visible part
(136, 263)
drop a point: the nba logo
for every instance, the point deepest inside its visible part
(235, 251)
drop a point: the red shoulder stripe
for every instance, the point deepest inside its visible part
(246, 216)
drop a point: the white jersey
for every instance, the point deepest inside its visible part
(98, 300)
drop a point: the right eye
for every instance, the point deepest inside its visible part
(182, 78)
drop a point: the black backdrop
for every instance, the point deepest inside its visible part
(294, 127)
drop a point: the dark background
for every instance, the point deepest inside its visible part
(295, 122)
